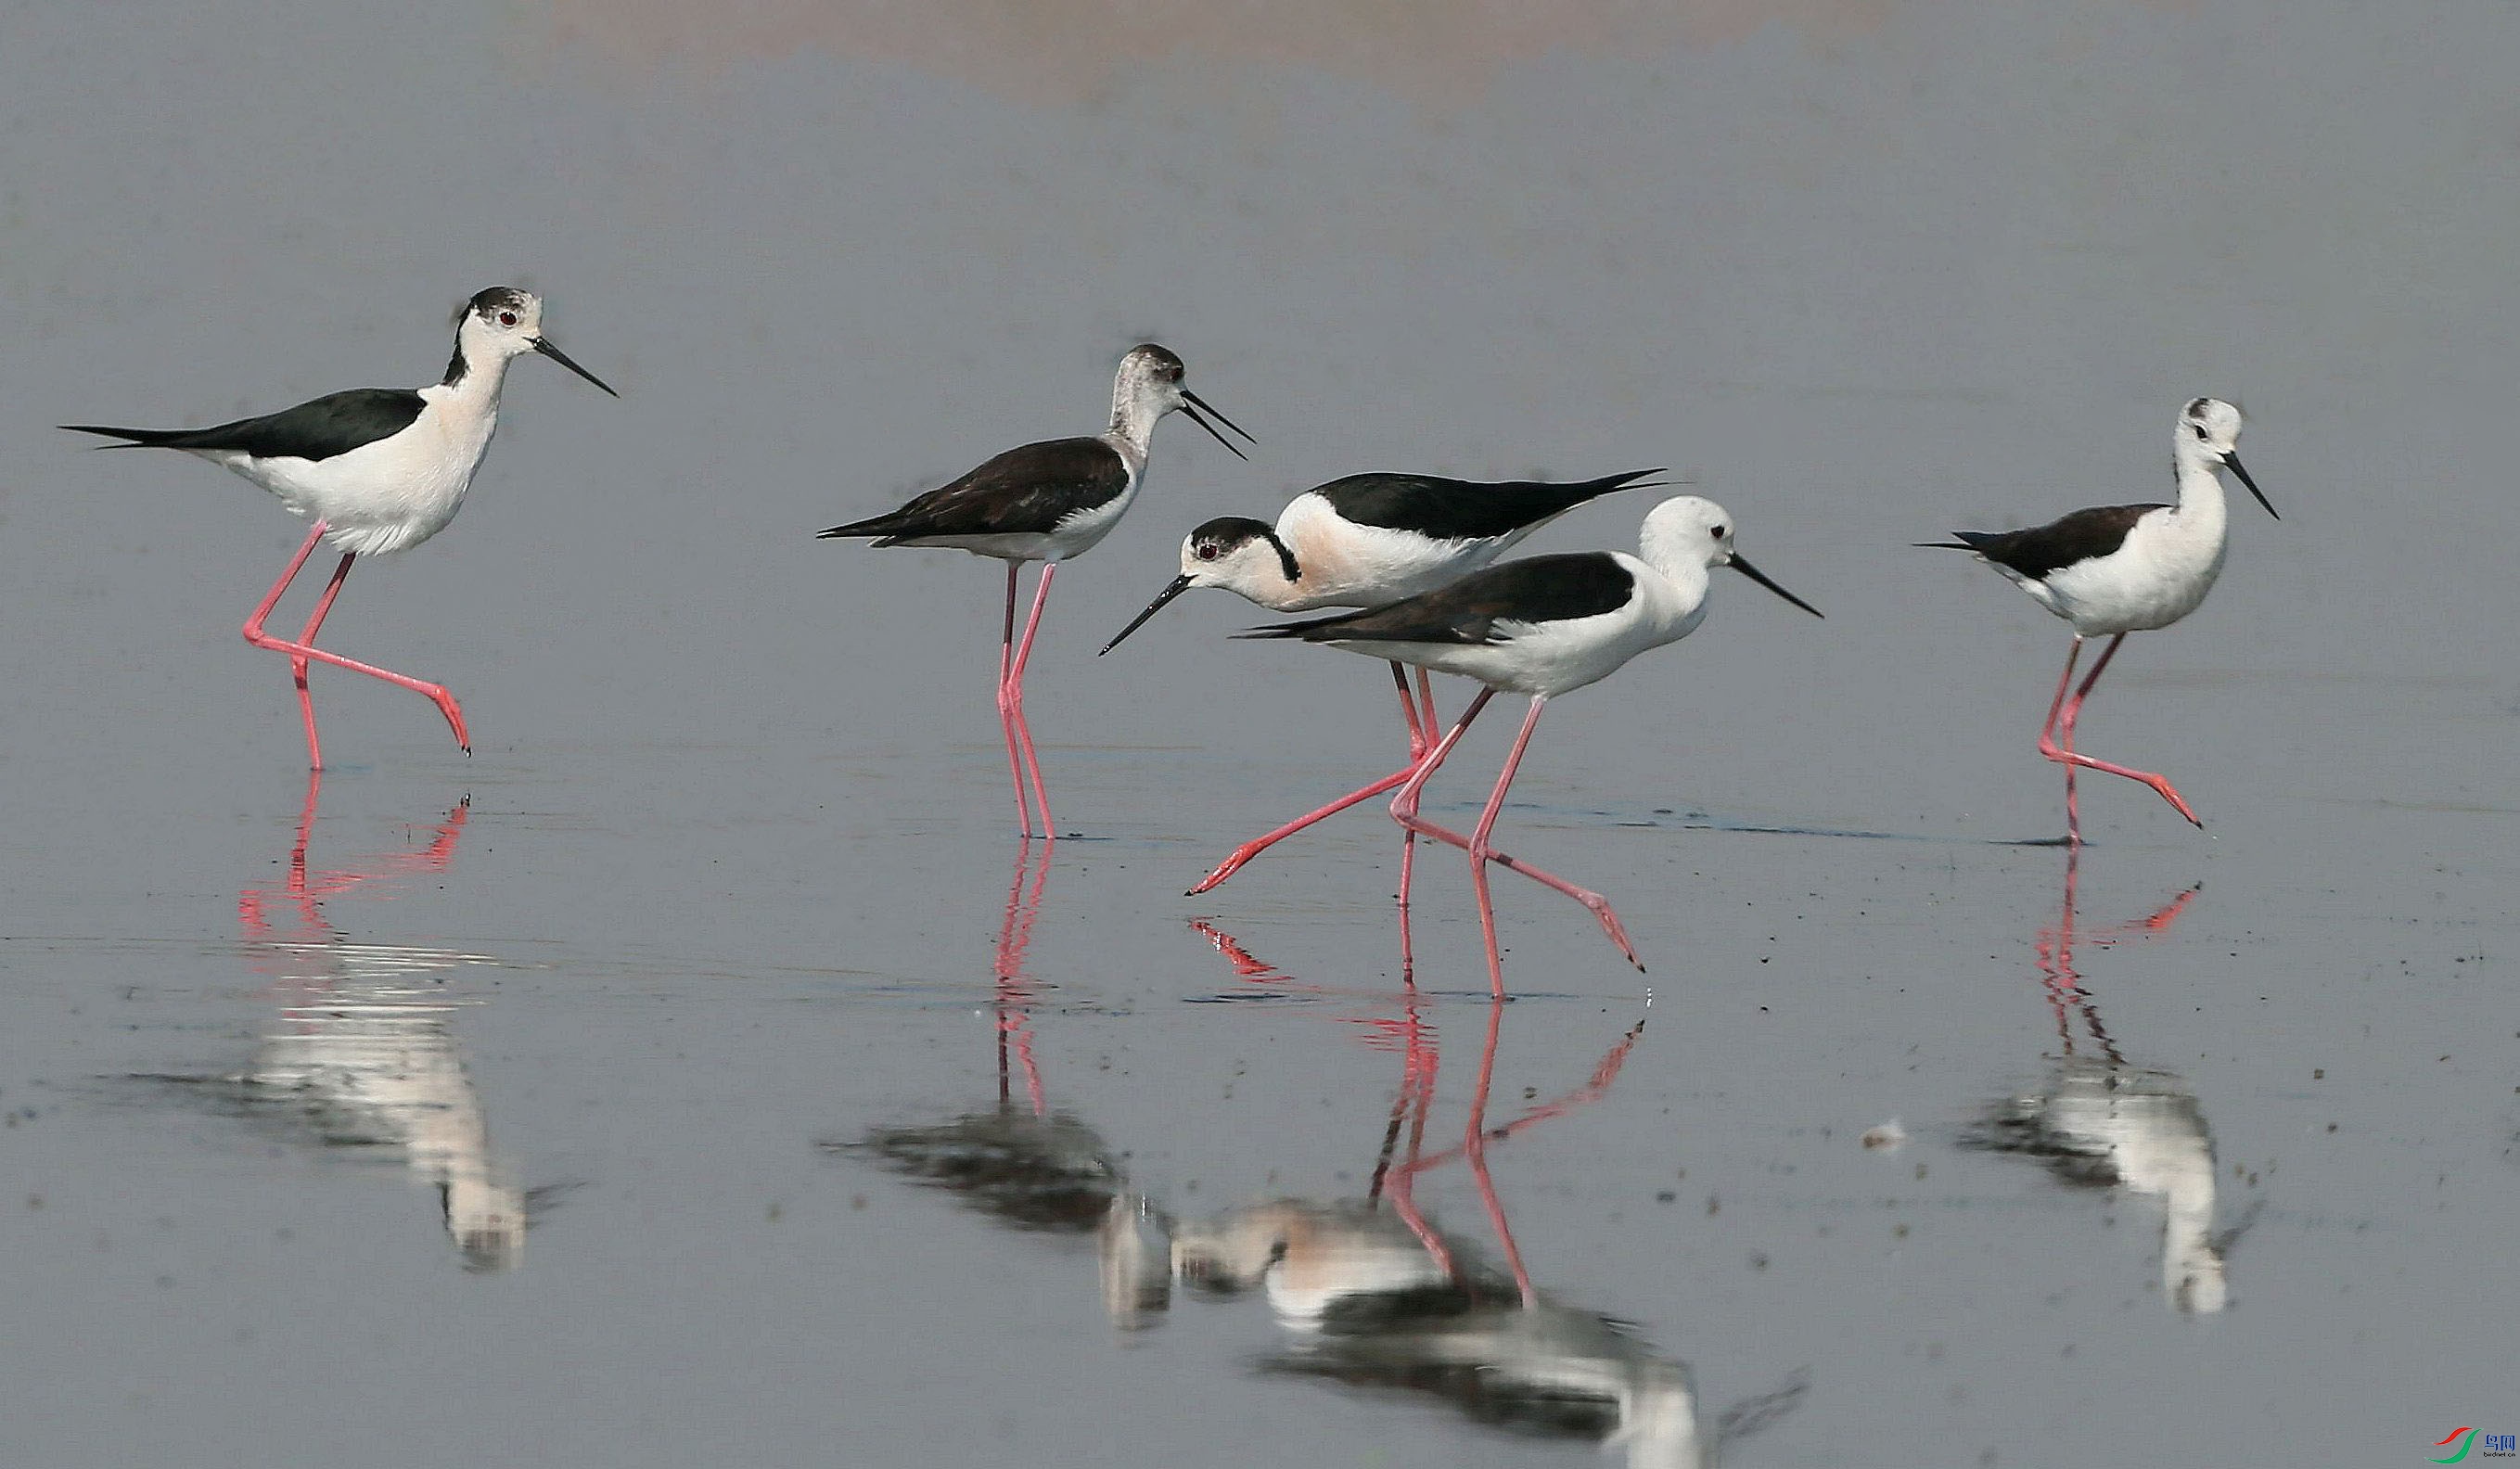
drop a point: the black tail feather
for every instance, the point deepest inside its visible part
(879, 525)
(138, 438)
(1299, 629)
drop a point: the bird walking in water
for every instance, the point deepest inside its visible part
(1543, 626)
(376, 468)
(2123, 568)
(1046, 503)
(1367, 540)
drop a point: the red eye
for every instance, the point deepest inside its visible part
(507, 318)
(1207, 553)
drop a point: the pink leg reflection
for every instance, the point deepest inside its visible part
(305, 890)
(1014, 997)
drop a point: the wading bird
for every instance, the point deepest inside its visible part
(2123, 568)
(1367, 540)
(376, 468)
(1543, 626)
(1046, 503)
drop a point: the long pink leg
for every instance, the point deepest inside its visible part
(2062, 749)
(1422, 736)
(2047, 741)
(1404, 806)
(1014, 701)
(298, 666)
(301, 651)
(1418, 736)
(1006, 720)
(1403, 809)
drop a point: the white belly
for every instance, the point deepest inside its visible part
(2158, 576)
(390, 495)
(1552, 658)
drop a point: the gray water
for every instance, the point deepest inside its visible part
(702, 1073)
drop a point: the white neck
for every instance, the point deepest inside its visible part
(1679, 555)
(1134, 412)
(2200, 488)
(1264, 581)
(484, 373)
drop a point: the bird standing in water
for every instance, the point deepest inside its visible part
(376, 468)
(1046, 503)
(1543, 626)
(2123, 568)
(1367, 540)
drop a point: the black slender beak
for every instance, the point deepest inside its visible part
(2232, 462)
(1761, 577)
(1200, 411)
(1180, 584)
(543, 345)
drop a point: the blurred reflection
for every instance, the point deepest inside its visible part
(2104, 1122)
(364, 1056)
(1015, 1160)
(1074, 50)
(1369, 1292)
(1378, 1297)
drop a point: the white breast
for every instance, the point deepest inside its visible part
(1344, 565)
(390, 495)
(2159, 574)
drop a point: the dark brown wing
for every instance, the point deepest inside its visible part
(1536, 589)
(1031, 489)
(2083, 535)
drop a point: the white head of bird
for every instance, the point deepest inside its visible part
(2208, 439)
(495, 328)
(1242, 556)
(1687, 536)
(1148, 386)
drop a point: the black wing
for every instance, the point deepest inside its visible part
(335, 423)
(2042, 549)
(1535, 589)
(1028, 489)
(1460, 509)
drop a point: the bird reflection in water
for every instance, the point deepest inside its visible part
(1017, 1159)
(365, 1055)
(1373, 1295)
(2101, 1121)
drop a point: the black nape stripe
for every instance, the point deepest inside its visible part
(1286, 554)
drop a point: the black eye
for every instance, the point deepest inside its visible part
(2200, 431)
(507, 318)
(1719, 532)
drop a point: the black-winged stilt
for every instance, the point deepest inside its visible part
(376, 468)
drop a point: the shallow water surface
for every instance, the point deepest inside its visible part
(702, 1072)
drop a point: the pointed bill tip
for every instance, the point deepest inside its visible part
(1173, 589)
(2241, 473)
(543, 344)
(1191, 412)
(1761, 577)
(1205, 406)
